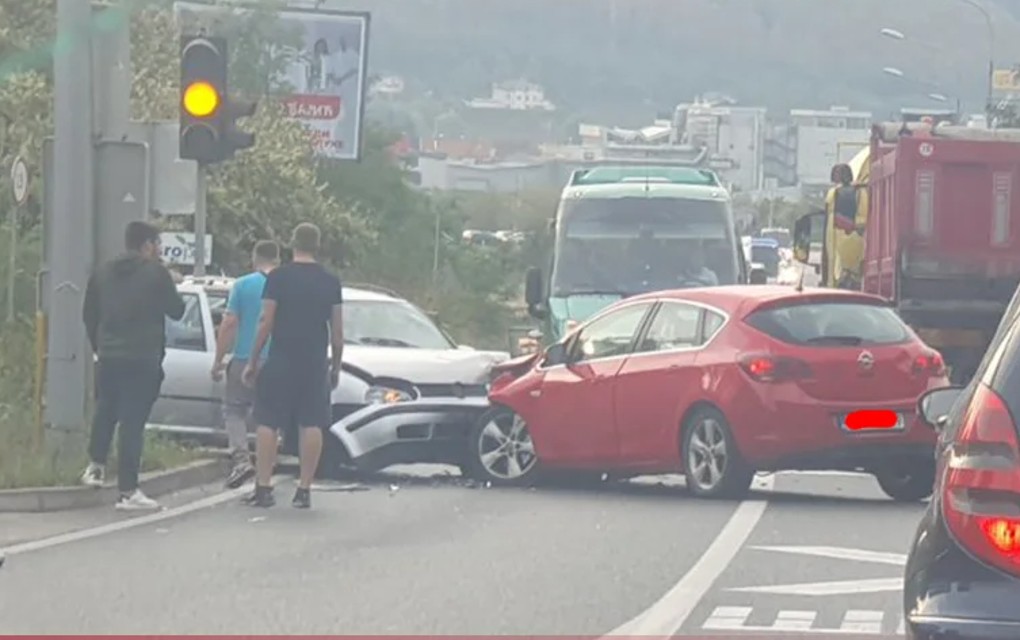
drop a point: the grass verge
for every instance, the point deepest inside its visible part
(21, 465)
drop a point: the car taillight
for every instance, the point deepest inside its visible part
(981, 489)
(930, 364)
(769, 368)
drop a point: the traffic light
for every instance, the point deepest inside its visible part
(208, 118)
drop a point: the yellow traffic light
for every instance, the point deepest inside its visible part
(201, 99)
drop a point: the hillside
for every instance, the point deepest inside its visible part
(635, 56)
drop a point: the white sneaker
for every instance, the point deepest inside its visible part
(94, 476)
(137, 501)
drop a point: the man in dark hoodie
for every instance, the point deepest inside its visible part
(126, 305)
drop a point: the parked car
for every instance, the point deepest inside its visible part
(394, 353)
(720, 383)
(963, 571)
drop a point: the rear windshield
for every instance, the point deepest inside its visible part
(831, 324)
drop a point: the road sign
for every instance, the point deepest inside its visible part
(179, 248)
(19, 178)
(122, 193)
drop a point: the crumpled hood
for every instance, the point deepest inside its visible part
(425, 366)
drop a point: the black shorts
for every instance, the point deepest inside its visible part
(288, 396)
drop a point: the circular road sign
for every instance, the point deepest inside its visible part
(19, 178)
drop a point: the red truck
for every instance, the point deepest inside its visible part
(942, 234)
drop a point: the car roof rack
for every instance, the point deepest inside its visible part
(658, 174)
(374, 288)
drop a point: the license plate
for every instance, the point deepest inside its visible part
(871, 422)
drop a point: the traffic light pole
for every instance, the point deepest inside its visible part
(200, 222)
(69, 355)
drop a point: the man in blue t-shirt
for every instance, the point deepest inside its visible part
(237, 336)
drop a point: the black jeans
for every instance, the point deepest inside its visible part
(125, 393)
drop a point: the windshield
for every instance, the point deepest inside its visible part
(831, 323)
(767, 257)
(782, 236)
(386, 323)
(636, 244)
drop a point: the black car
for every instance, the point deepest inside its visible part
(963, 573)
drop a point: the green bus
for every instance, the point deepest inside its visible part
(625, 230)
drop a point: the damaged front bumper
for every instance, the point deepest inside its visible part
(430, 430)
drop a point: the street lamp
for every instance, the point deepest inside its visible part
(896, 34)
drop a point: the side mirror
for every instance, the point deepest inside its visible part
(934, 406)
(533, 287)
(758, 276)
(555, 354)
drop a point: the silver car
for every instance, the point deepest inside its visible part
(407, 391)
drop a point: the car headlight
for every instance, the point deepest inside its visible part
(386, 395)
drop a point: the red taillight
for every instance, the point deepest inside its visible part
(981, 492)
(930, 364)
(768, 368)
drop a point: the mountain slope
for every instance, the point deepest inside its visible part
(627, 56)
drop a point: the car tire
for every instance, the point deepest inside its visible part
(500, 450)
(911, 483)
(333, 459)
(713, 467)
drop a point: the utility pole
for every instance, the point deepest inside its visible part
(72, 235)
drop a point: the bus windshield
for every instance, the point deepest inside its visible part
(632, 245)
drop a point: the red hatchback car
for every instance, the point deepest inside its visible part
(720, 382)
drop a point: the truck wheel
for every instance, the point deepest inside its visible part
(712, 465)
(911, 483)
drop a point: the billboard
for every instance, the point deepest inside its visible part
(325, 70)
(1006, 80)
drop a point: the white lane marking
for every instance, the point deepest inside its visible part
(727, 618)
(856, 622)
(665, 617)
(901, 630)
(794, 620)
(840, 553)
(863, 621)
(122, 525)
(835, 588)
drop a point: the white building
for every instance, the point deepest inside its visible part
(518, 95)
(728, 131)
(826, 137)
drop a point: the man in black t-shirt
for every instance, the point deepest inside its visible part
(301, 311)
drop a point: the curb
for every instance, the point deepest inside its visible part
(155, 483)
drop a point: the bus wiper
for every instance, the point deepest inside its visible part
(850, 341)
(594, 291)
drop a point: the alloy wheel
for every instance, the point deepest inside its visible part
(707, 457)
(505, 449)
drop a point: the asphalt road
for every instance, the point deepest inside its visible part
(435, 557)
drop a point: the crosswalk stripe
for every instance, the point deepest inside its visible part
(863, 621)
(727, 618)
(794, 620)
(901, 630)
(855, 621)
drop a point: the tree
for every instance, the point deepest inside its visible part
(264, 191)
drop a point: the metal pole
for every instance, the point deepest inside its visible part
(72, 233)
(200, 223)
(12, 263)
(435, 252)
